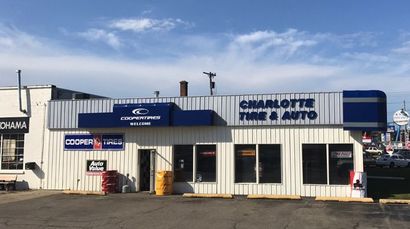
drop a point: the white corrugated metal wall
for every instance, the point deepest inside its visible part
(66, 169)
(329, 106)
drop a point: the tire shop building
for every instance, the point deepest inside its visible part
(282, 143)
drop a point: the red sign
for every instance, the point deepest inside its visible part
(97, 142)
(366, 138)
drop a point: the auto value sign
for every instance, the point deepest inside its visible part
(14, 125)
(96, 167)
(94, 142)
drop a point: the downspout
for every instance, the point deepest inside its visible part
(43, 143)
(19, 88)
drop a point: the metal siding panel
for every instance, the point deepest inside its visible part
(289, 160)
(298, 166)
(299, 121)
(53, 152)
(53, 115)
(48, 161)
(295, 160)
(50, 117)
(233, 111)
(60, 114)
(73, 118)
(69, 110)
(329, 106)
(292, 159)
(332, 108)
(61, 175)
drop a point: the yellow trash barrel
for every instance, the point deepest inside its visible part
(163, 183)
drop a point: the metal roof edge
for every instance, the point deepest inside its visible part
(206, 96)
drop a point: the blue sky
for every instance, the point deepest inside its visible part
(132, 48)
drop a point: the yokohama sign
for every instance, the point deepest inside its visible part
(14, 125)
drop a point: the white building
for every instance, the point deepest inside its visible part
(23, 130)
(286, 143)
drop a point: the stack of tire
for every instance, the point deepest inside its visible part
(110, 181)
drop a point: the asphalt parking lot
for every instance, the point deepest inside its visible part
(139, 210)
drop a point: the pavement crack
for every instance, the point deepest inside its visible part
(387, 217)
(235, 224)
(153, 210)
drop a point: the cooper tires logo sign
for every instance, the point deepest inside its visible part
(141, 117)
(140, 111)
(94, 142)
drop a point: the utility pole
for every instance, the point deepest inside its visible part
(211, 82)
(405, 127)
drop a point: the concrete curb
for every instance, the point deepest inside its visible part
(345, 199)
(393, 201)
(195, 195)
(275, 197)
(70, 192)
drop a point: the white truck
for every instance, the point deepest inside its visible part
(374, 151)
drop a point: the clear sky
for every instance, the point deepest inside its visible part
(132, 48)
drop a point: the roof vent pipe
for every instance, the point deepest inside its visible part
(19, 91)
(183, 88)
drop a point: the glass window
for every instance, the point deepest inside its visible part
(314, 164)
(245, 163)
(183, 163)
(12, 148)
(340, 163)
(269, 164)
(206, 163)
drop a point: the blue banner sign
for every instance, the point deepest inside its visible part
(146, 114)
(129, 115)
(94, 142)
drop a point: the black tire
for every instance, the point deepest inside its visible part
(391, 165)
(408, 165)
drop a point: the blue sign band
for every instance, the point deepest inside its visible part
(146, 114)
(364, 110)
